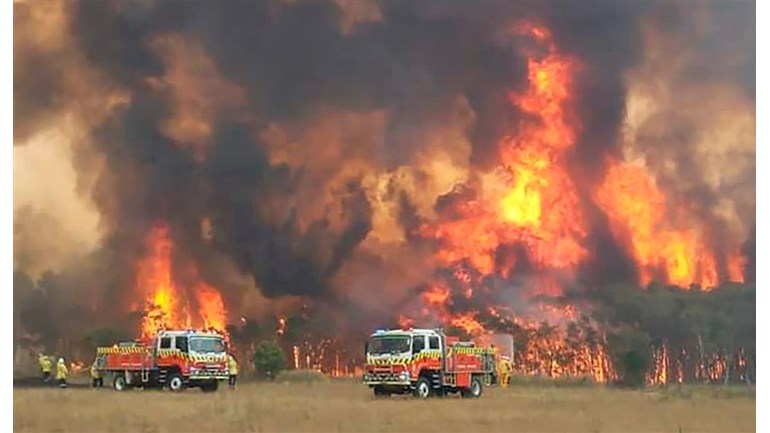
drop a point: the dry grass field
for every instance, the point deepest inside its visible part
(347, 406)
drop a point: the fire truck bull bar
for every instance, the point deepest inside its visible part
(386, 378)
(196, 374)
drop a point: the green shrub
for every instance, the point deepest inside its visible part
(631, 355)
(269, 360)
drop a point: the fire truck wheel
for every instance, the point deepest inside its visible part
(210, 387)
(475, 390)
(175, 383)
(380, 392)
(422, 389)
(119, 383)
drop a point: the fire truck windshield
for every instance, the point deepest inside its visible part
(391, 344)
(207, 344)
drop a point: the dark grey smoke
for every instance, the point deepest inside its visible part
(292, 59)
(38, 90)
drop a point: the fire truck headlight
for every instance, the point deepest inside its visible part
(404, 376)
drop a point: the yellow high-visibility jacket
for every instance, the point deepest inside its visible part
(505, 366)
(95, 374)
(232, 365)
(61, 371)
(45, 364)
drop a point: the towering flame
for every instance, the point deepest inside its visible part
(211, 307)
(530, 202)
(529, 199)
(639, 217)
(167, 304)
(154, 279)
(542, 206)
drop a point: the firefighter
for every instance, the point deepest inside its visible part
(505, 371)
(61, 373)
(45, 367)
(96, 377)
(232, 366)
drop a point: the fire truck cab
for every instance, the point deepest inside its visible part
(173, 359)
(427, 362)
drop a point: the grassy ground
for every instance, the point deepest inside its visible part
(347, 406)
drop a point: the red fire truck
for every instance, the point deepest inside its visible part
(427, 362)
(173, 359)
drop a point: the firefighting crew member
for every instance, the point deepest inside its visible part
(232, 366)
(505, 371)
(45, 367)
(61, 373)
(96, 377)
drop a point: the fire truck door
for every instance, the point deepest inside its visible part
(449, 361)
(180, 343)
(442, 345)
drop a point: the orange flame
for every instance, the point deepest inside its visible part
(637, 212)
(467, 323)
(280, 326)
(168, 306)
(405, 322)
(530, 200)
(735, 266)
(542, 201)
(212, 307)
(77, 366)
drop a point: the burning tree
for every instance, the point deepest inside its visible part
(506, 167)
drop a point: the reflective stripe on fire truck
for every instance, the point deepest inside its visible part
(435, 354)
(176, 353)
(432, 354)
(470, 350)
(162, 353)
(390, 361)
(116, 350)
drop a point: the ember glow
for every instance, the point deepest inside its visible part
(169, 305)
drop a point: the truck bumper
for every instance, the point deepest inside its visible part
(389, 379)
